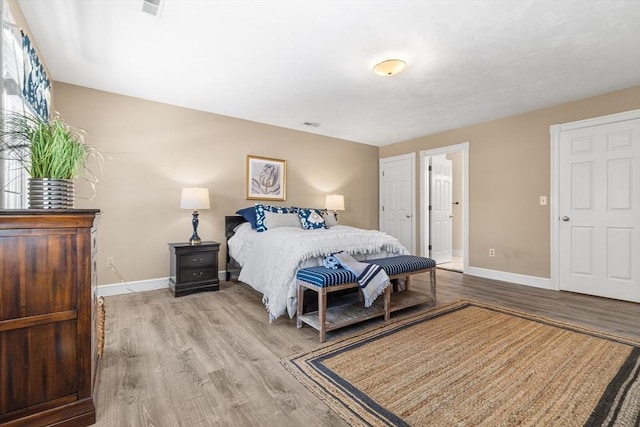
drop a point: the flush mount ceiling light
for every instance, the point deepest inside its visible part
(389, 67)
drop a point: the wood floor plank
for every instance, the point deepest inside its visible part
(213, 358)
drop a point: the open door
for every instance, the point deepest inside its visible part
(440, 204)
(456, 205)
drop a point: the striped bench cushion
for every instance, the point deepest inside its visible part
(324, 277)
(403, 264)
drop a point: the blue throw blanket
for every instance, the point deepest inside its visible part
(372, 278)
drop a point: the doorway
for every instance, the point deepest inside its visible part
(458, 211)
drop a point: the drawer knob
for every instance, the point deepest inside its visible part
(198, 274)
(198, 261)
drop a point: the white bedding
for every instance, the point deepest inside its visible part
(271, 259)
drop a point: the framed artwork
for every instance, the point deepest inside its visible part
(266, 178)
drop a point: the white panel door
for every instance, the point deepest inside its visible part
(441, 213)
(599, 210)
(397, 182)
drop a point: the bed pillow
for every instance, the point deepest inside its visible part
(260, 217)
(276, 220)
(311, 219)
(329, 218)
(249, 214)
(242, 229)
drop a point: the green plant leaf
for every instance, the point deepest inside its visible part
(45, 149)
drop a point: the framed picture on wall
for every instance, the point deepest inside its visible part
(266, 178)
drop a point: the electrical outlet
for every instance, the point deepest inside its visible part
(543, 200)
(492, 252)
(110, 261)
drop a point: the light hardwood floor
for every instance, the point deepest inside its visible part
(213, 359)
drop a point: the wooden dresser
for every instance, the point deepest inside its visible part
(48, 282)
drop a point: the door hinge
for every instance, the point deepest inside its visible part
(430, 169)
(383, 209)
(429, 247)
(382, 173)
(429, 207)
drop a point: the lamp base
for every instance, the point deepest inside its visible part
(195, 239)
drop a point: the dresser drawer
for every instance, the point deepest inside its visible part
(199, 259)
(197, 274)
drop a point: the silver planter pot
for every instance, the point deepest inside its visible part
(45, 193)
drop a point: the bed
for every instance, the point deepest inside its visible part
(268, 260)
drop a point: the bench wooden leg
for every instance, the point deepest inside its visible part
(432, 280)
(300, 305)
(407, 283)
(387, 303)
(322, 313)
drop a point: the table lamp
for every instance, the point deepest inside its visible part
(194, 198)
(334, 202)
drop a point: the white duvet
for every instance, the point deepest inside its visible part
(271, 259)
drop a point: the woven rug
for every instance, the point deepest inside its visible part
(472, 364)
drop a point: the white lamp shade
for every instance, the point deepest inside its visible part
(334, 202)
(194, 198)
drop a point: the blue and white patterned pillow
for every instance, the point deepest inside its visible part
(311, 219)
(331, 262)
(260, 217)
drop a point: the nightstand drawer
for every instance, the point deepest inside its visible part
(197, 274)
(198, 259)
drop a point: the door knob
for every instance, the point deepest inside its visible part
(565, 218)
(408, 216)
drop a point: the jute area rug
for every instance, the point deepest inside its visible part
(472, 364)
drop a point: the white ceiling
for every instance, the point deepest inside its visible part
(289, 62)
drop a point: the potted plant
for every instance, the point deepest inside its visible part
(52, 153)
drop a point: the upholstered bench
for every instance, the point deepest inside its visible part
(324, 280)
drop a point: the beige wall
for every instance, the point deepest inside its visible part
(509, 168)
(156, 149)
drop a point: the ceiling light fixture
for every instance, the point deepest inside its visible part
(390, 67)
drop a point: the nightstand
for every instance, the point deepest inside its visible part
(193, 268)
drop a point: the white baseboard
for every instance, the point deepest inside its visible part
(140, 286)
(131, 287)
(521, 279)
